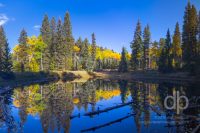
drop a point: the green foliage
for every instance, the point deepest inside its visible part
(55, 49)
(123, 65)
(23, 54)
(68, 42)
(84, 53)
(189, 37)
(60, 48)
(146, 41)
(165, 60)
(176, 48)
(154, 55)
(136, 46)
(46, 37)
(93, 50)
(5, 56)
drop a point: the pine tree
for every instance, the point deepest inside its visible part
(46, 36)
(199, 35)
(162, 61)
(123, 65)
(176, 48)
(197, 68)
(189, 37)
(53, 46)
(85, 54)
(61, 48)
(168, 47)
(5, 57)
(23, 55)
(69, 41)
(165, 60)
(79, 42)
(77, 61)
(154, 55)
(2, 47)
(93, 52)
(136, 46)
(146, 39)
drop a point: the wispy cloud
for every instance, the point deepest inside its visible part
(3, 19)
(36, 27)
(2, 5)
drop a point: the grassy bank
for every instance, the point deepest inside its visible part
(26, 78)
(146, 75)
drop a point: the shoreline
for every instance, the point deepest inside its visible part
(24, 79)
(172, 77)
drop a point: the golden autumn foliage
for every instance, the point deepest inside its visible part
(35, 45)
(108, 94)
(76, 100)
(102, 94)
(107, 53)
(35, 48)
(76, 49)
(33, 99)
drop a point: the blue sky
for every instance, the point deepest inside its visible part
(113, 21)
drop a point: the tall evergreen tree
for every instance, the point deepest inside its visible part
(77, 61)
(79, 42)
(161, 45)
(69, 41)
(23, 55)
(61, 48)
(93, 52)
(2, 47)
(5, 57)
(123, 65)
(146, 41)
(136, 46)
(176, 48)
(165, 60)
(199, 35)
(154, 55)
(162, 64)
(53, 45)
(85, 54)
(168, 47)
(189, 37)
(46, 37)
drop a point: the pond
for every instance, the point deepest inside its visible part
(101, 106)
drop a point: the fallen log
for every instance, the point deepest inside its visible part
(196, 129)
(75, 116)
(107, 109)
(155, 110)
(107, 124)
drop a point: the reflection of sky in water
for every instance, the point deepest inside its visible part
(157, 124)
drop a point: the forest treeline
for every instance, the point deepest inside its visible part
(180, 52)
(55, 49)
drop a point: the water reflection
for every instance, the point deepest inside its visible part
(59, 105)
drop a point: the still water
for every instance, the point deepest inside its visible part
(101, 107)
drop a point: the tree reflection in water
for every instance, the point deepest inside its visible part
(54, 103)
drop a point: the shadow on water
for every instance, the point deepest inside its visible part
(99, 106)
